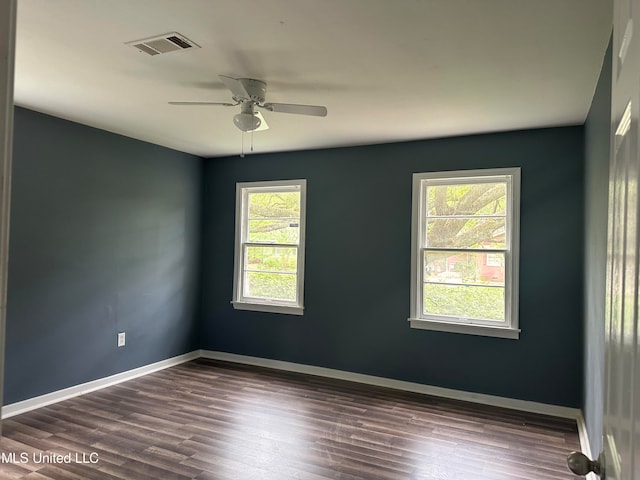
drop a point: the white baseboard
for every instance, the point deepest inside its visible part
(504, 402)
(585, 445)
(64, 394)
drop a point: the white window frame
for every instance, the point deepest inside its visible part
(240, 302)
(508, 328)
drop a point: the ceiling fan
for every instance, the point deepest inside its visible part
(249, 94)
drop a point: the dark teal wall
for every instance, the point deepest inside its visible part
(104, 238)
(358, 266)
(597, 129)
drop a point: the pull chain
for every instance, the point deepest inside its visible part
(242, 145)
(252, 140)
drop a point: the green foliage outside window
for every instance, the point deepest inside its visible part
(274, 219)
(271, 285)
(464, 301)
(464, 216)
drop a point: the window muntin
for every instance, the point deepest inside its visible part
(269, 266)
(464, 264)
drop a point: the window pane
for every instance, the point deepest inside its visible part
(270, 219)
(485, 303)
(272, 259)
(275, 286)
(274, 231)
(481, 232)
(274, 204)
(464, 267)
(467, 199)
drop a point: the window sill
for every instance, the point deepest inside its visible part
(470, 329)
(268, 307)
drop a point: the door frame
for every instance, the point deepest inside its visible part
(8, 10)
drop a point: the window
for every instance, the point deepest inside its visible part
(269, 251)
(465, 237)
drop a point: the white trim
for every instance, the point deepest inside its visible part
(269, 307)
(522, 405)
(240, 302)
(468, 328)
(77, 390)
(503, 402)
(469, 176)
(8, 11)
(585, 446)
(509, 327)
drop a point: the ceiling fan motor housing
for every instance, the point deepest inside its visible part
(256, 89)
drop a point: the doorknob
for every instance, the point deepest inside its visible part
(580, 464)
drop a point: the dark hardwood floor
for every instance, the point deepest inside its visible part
(214, 420)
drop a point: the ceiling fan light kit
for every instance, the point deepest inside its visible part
(246, 122)
(250, 93)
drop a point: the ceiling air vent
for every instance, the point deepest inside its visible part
(169, 42)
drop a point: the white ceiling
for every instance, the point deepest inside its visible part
(387, 70)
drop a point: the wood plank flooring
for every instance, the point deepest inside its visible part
(214, 420)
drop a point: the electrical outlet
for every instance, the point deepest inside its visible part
(121, 339)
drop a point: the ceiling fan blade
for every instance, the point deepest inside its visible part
(220, 104)
(315, 110)
(236, 87)
(263, 122)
